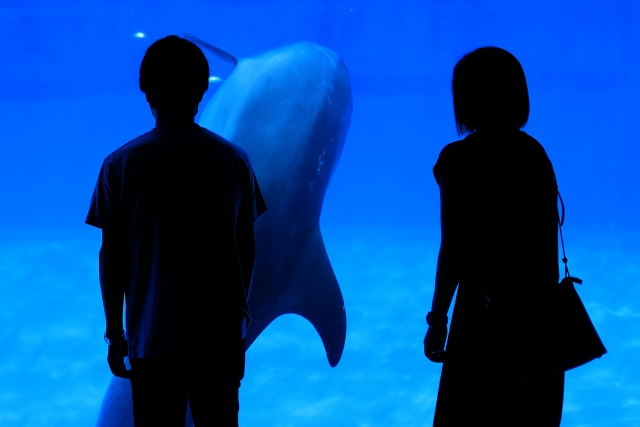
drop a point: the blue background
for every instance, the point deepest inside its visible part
(69, 96)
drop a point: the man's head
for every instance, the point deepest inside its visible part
(174, 74)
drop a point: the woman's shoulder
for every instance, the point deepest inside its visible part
(534, 149)
(451, 155)
(517, 148)
(453, 149)
(530, 142)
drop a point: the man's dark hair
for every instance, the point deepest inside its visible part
(489, 91)
(174, 73)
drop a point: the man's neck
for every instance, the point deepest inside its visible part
(178, 117)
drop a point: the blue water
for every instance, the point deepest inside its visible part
(53, 370)
(68, 97)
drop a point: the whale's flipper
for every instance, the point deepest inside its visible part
(225, 56)
(117, 406)
(311, 291)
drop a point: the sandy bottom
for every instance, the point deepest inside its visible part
(53, 367)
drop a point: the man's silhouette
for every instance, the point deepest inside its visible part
(176, 207)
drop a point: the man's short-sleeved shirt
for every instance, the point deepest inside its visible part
(178, 194)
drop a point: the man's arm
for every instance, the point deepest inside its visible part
(114, 268)
(113, 280)
(246, 251)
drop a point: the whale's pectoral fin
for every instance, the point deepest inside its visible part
(117, 407)
(225, 56)
(317, 296)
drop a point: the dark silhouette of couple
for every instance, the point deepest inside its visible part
(177, 208)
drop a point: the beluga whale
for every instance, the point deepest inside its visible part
(290, 110)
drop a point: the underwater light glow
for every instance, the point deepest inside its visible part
(139, 35)
(214, 79)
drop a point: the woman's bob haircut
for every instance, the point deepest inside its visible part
(489, 92)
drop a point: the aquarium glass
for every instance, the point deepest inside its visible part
(69, 96)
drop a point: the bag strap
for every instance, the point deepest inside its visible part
(560, 224)
(565, 260)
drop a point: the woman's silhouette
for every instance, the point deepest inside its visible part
(499, 246)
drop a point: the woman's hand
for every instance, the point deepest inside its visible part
(434, 343)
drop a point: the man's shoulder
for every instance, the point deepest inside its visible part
(223, 143)
(126, 150)
(153, 140)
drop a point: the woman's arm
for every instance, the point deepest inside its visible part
(446, 272)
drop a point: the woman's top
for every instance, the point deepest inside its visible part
(506, 217)
(505, 223)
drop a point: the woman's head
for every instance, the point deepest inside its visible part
(489, 91)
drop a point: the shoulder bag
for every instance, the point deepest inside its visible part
(563, 336)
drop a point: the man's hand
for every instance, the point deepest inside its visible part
(434, 343)
(115, 357)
